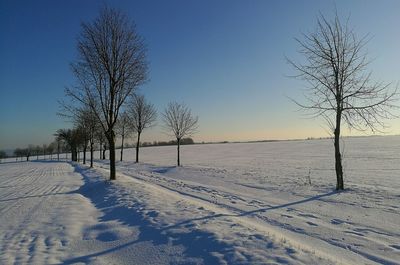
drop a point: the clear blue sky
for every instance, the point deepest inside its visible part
(225, 59)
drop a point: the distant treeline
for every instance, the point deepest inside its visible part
(184, 141)
(32, 150)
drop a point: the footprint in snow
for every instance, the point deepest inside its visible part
(256, 236)
(287, 216)
(336, 221)
(290, 251)
(308, 215)
(395, 246)
(354, 233)
(152, 214)
(311, 224)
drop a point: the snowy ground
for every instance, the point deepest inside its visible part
(229, 204)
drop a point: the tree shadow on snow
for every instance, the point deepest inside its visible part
(46, 161)
(162, 170)
(252, 212)
(198, 244)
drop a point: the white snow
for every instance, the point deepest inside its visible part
(247, 203)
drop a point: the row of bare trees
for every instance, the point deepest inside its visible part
(138, 115)
(110, 67)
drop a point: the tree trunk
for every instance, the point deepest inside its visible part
(101, 149)
(84, 154)
(137, 147)
(111, 144)
(58, 150)
(73, 154)
(91, 154)
(122, 146)
(338, 156)
(178, 148)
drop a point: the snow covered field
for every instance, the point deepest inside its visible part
(247, 203)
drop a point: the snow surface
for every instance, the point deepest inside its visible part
(247, 203)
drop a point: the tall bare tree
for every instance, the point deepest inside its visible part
(341, 89)
(142, 115)
(110, 66)
(179, 120)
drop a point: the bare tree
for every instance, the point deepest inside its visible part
(123, 130)
(72, 138)
(93, 127)
(65, 149)
(110, 66)
(101, 139)
(179, 120)
(58, 141)
(3, 154)
(50, 150)
(340, 87)
(18, 153)
(44, 149)
(142, 115)
(23, 152)
(83, 134)
(37, 151)
(87, 122)
(30, 151)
